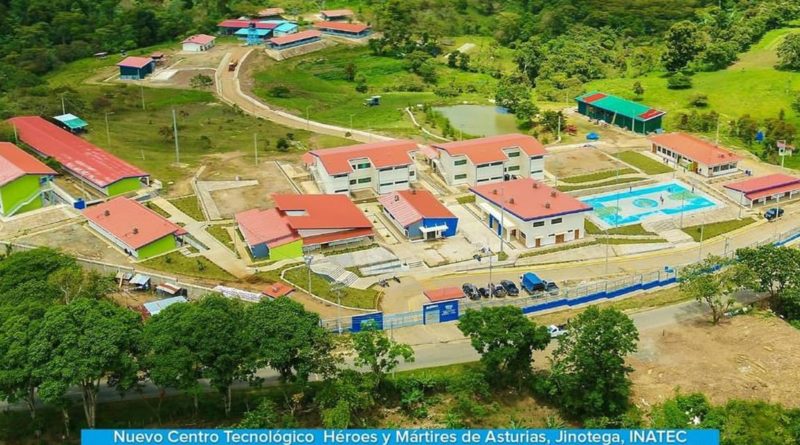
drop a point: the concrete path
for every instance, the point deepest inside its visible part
(205, 188)
(229, 91)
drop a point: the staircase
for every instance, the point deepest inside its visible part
(321, 266)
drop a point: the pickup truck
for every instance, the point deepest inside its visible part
(556, 331)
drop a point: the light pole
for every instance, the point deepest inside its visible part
(308, 259)
(337, 290)
(725, 248)
(351, 123)
(108, 129)
(308, 120)
(502, 217)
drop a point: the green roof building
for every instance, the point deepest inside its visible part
(623, 113)
(23, 180)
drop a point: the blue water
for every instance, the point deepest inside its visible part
(631, 207)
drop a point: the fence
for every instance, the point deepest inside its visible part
(448, 311)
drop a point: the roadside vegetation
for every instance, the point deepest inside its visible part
(189, 205)
(598, 176)
(712, 230)
(615, 181)
(647, 165)
(197, 267)
(324, 288)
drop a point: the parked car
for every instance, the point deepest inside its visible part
(471, 291)
(483, 292)
(551, 288)
(556, 331)
(531, 283)
(497, 290)
(511, 289)
(773, 213)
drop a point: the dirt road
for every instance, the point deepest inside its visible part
(230, 92)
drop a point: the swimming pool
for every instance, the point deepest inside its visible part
(634, 205)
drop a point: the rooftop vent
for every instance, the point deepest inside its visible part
(494, 191)
(553, 193)
(547, 205)
(535, 185)
(107, 213)
(511, 201)
(135, 230)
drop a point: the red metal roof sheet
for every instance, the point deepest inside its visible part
(411, 206)
(651, 113)
(268, 227)
(354, 28)
(309, 212)
(337, 13)
(491, 149)
(337, 236)
(529, 199)
(277, 290)
(696, 149)
(131, 222)
(135, 62)
(593, 97)
(74, 153)
(200, 39)
(380, 154)
(235, 23)
(762, 186)
(296, 37)
(269, 12)
(443, 294)
(15, 163)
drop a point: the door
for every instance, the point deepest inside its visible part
(538, 242)
(577, 233)
(560, 238)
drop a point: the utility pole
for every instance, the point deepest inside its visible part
(175, 135)
(308, 121)
(63, 106)
(255, 146)
(502, 217)
(108, 131)
(141, 90)
(702, 233)
(16, 136)
(559, 128)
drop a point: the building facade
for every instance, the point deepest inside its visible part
(136, 68)
(199, 43)
(623, 113)
(490, 159)
(24, 181)
(763, 189)
(531, 213)
(694, 154)
(419, 215)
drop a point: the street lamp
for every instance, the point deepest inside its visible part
(108, 131)
(308, 259)
(337, 290)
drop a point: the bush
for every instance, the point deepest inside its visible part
(679, 81)
(699, 101)
(279, 91)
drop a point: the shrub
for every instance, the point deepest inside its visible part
(279, 91)
(679, 81)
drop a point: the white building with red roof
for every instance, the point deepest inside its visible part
(381, 166)
(301, 223)
(695, 154)
(198, 43)
(343, 29)
(94, 166)
(763, 189)
(135, 229)
(419, 215)
(530, 212)
(336, 14)
(24, 180)
(490, 159)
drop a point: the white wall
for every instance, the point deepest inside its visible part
(523, 166)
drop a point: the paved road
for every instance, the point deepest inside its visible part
(457, 350)
(229, 90)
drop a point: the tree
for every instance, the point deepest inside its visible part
(699, 101)
(679, 81)
(19, 375)
(201, 81)
(350, 71)
(289, 339)
(719, 55)
(346, 400)
(505, 339)
(75, 282)
(638, 89)
(511, 92)
(789, 52)
(452, 58)
(376, 351)
(588, 374)
(715, 289)
(82, 344)
(264, 416)
(775, 268)
(168, 353)
(684, 42)
(282, 144)
(36, 264)
(463, 61)
(6, 131)
(528, 58)
(361, 83)
(427, 71)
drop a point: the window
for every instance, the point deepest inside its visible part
(340, 191)
(411, 173)
(461, 176)
(536, 172)
(352, 181)
(538, 223)
(363, 165)
(340, 176)
(460, 162)
(536, 157)
(401, 182)
(364, 180)
(555, 221)
(513, 168)
(513, 154)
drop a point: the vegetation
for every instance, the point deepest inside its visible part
(323, 288)
(629, 230)
(468, 199)
(597, 176)
(178, 263)
(643, 163)
(221, 233)
(715, 289)
(615, 181)
(708, 231)
(189, 205)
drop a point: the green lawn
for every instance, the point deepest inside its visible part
(321, 287)
(632, 230)
(570, 188)
(597, 176)
(221, 233)
(644, 163)
(751, 86)
(190, 206)
(177, 263)
(158, 210)
(467, 199)
(716, 229)
(318, 88)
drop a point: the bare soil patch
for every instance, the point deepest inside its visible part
(580, 161)
(76, 239)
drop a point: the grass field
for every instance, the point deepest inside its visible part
(597, 176)
(631, 230)
(716, 229)
(221, 233)
(321, 287)
(570, 188)
(645, 164)
(750, 86)
(190, 206)
(177, 263)
(318, 88)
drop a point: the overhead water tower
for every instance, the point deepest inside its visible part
(252, 35)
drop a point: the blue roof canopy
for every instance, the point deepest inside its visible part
(259, 32)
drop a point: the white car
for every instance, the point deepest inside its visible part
(556, 331)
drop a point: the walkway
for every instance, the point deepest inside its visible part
(229, 91)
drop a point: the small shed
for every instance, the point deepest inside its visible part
(268, 13)
(336, 14)
(158, 57)
(154, 307)
(443, 294)
(284, 29)
(199, 43)
(170, 290)
(136, 68)
(140, 282)
(277, 290)
(71, 122)
(123, 277)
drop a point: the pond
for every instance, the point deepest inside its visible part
(480, 120)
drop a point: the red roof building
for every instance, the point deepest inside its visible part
(293, 40)
(344, 29)
(419, 214)
(763, 189)
(382, 166)
(200, 39)
(135, 62)
(698, 155)
(270, 12)
(490, 159)
(315, 220)
(16, 163)
(336, 14)
(93, 165)
(133, 227)
(443, 294)
(277, 290)
(530, 212)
